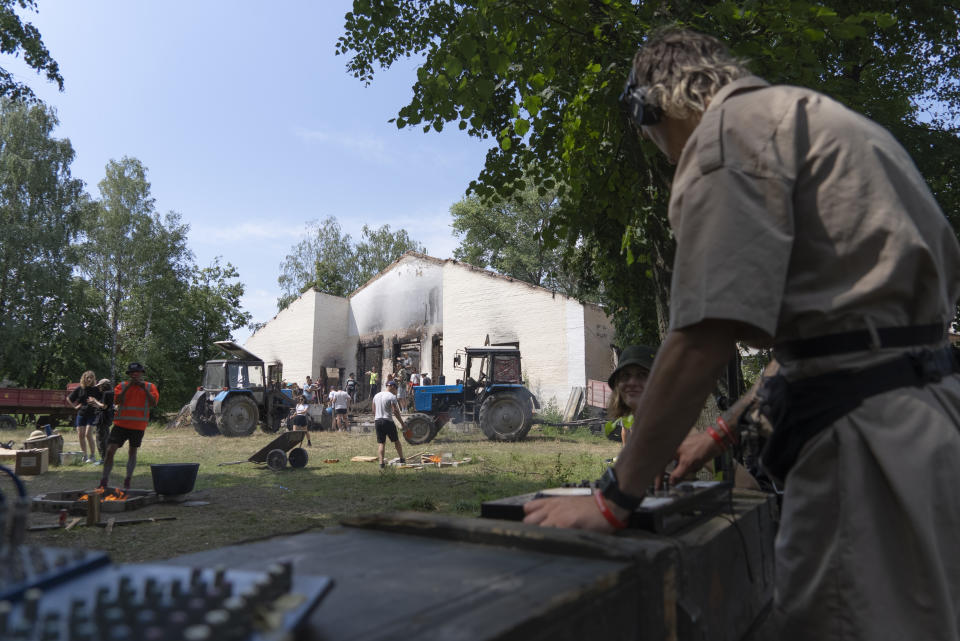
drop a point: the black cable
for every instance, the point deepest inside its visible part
(732, 518)
(21, 488)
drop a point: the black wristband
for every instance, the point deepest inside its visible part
(610, 489)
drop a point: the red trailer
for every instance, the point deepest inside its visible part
(33, 403)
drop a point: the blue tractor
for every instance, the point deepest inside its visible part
(238, 393)
(490, 394)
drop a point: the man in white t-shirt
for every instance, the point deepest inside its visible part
(384, 404)
(340, 401)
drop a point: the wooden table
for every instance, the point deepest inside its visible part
(483, 579)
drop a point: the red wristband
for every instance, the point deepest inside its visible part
(719, 439)
(726, 430)
(607, 514)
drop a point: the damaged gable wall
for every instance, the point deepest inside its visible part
(403, 303)
(421, 304)
(301, 336)
(550, 328)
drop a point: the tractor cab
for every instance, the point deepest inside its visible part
(486, 366)
(238, 392)
(491, 394)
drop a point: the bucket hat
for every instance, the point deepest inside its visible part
(135, 367)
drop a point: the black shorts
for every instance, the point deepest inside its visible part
(340, 411)
(300, 420)
(121, 435)
(386, 429)
(84, 420)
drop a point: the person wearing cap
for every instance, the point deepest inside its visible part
(803, 226)
(134, 398)
(627, 382)
(86, 400)
(384, 404)
(106, 417)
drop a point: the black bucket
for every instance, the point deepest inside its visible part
(174, 478)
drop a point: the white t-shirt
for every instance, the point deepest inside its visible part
(383, 404)
(302, 409)
(341, 400)
(415, 378)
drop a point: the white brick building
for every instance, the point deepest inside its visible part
(425, 309)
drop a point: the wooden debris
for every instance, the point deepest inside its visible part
(110, 523)
(424, 459)
(73, 522)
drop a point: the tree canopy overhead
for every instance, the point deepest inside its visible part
(22, 38)
(541, 81)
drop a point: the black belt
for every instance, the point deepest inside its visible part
(859, 340)
(799, 410)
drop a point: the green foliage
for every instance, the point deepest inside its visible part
(46, 321)
(507, 236)
(18, 37)
(541, 81)
(94, 284)
(329, 261)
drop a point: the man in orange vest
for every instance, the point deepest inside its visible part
(133, 400)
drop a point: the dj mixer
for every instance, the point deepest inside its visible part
(661, 512)
(164, 603)
(53, 594)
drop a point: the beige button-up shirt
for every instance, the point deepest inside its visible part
(801, 218)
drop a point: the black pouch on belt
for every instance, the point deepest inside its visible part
(799, 410)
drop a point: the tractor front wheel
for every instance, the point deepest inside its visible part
(238, 416)
(272, 424)
(505, 417)
(420, 429)
(203, 421)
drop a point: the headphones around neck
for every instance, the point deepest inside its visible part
(634, 100)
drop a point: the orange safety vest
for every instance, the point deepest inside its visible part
(133, 407)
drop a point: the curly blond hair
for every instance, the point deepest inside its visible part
(88, 379)
(684, 69)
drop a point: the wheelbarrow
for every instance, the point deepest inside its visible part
(280, 451)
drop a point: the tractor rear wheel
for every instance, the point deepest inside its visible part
(420, 429)
(238, 416)
(505, 417)
(7, 422)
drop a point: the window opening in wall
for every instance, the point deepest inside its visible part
(407, 354)
(506, 369)
(369, 358)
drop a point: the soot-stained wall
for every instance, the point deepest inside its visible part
(404, 303)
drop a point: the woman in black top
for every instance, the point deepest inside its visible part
(86, 400)
(106, 415)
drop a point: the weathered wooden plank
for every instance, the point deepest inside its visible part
(486, 580)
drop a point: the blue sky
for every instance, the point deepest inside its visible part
(248, 124)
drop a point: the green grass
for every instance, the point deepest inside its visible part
(248, 501)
